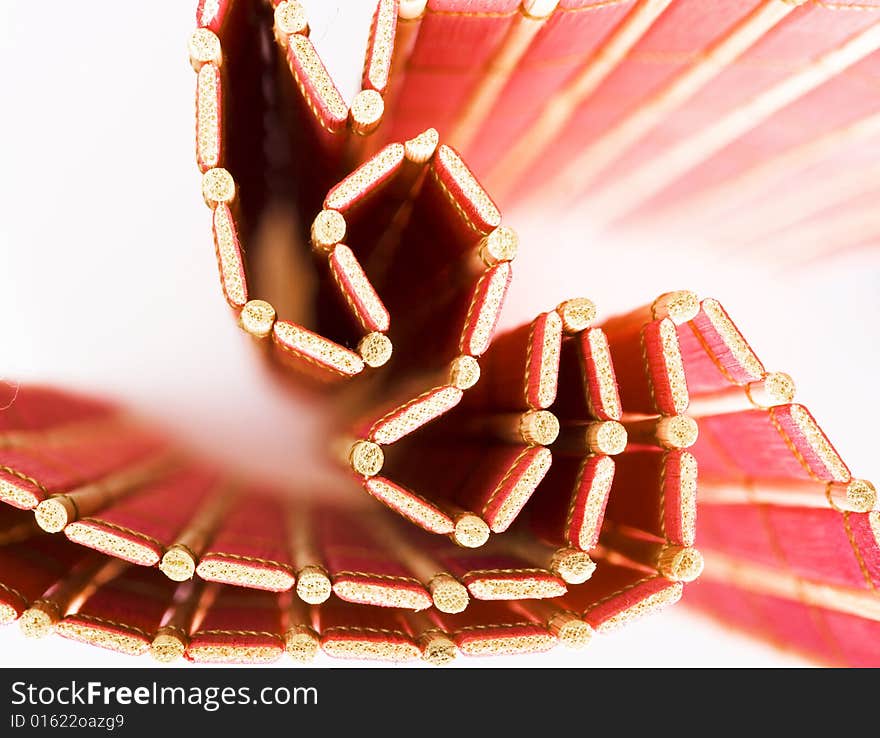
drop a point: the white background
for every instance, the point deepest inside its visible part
(108, 279)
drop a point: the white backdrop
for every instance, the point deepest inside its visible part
(108, 278)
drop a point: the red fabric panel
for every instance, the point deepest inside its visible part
(810, 543)
(253, 533)
(858, 639)
(62, 468)
(32, 407)
(351, 553)
(807, 32)
(848, 156)
(490, 487)
(709, 363)
(788, 624)
(510, 370)
(830, 106)
(30, 568)
(159, 511)
(134, 603)
(455, 40)
(484, 622)
(867, 540)
(236, 609)
(557, 53)
(625, 342)
(647, 495)
(735, 607)
(611, 591)
(756, 442)
(640, 365)
(561, 514)
(674, 41)
(572, 393)
(240, 618)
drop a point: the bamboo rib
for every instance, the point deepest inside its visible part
(409, 21)
(766, 581)
(606, 437)
(436, 646)
(670, 432)
(64, 434)
(571, 630)
(448, 594)
(530, 427)
(816, 239)
(562, 106)
(584, 169)
(761, 178)
(675, 563)
(495, 76)
(772, 390)
(301, 641)
(40, 619)
(626, 193)
(569, 564)
(55, 513)
(771, 217)
(179, 561)
(857, 495)
(170, 641)
(312, 580)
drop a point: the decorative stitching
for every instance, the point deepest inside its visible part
(468, 327)
(249, 559)
(309, 359)
(266, 633)
(714, 359)
(572, 504)
(790, 443)
(370, 575)
(454, 202)
(14, 592)
(481, 572)
(505, 478)
(663, 466)
(95, 619)
(123, 529)
(863, 567)
(364, 629)
(399, 410)
(627, 588)
(527, 372)
(469, 628)
(24, 478)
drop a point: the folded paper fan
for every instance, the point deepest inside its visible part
(538, 487)
(191, 561)
(132, 610)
